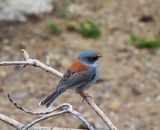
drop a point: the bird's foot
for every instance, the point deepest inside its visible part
(85, 95)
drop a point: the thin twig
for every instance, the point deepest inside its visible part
(88, 125)
(61, 109)
(99, 112)
(77, 114)
(17, 125)
(10, 121)
(37, 63)
(29, 125)
(47, 60)
(25, 54)
(33, 62)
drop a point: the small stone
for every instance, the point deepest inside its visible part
(18, 9)
(136, 91)
(3, 73)
(146, 18)
(115, 105)
(153, 112)
(147, 99)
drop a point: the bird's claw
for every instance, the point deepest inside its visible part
(86, 96)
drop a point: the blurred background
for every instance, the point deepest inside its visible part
(125, 32)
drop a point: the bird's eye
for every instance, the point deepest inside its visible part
(91, 59)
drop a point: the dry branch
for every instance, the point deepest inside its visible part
(17, 125)
(59, 110)
(99, 112)
(37, 63)
(64, 108)
(11, 122)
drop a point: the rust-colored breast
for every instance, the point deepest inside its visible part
(76, 66)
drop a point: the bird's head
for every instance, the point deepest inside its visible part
(89, 58)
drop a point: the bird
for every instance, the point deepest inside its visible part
(81, 74)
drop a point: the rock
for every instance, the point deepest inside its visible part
(136, 91)
(3, 73)
(146, 18)
(115, 105)
(18, 10)
(75, 9)
(153, 111)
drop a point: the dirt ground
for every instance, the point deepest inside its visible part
(130, 91)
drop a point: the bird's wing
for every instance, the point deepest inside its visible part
(71, 79)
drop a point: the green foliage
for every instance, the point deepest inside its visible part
(89, 29)
(142, 42)
(54, 27)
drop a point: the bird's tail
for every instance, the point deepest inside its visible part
(49, 100)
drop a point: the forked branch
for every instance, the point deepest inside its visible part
(47, 68)
(59, 110)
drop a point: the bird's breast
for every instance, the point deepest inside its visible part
(76, 66)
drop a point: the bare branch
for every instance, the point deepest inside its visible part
(32, 62)
(11, 122)
(61, 109)
(19, 126)
(47, 60)
(26, 127)
(99, 112)
(91, 103)
(25, 54)
(77, 114)
(55, 128)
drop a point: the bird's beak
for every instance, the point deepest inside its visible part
(99, 56)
